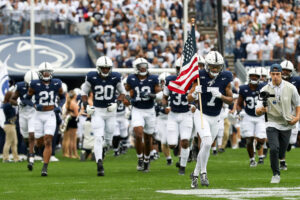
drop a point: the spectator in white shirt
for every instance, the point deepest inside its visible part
(266, 52)
(273, 35)
(252, 50)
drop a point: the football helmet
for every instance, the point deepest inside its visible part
(45, 71)
(29, 76)
(201, 60)
(256, 72)
(214, 63)
(178, 64)
(104, 62)
(264, 74)
(287, 65)
(162, 78)
(139, 65)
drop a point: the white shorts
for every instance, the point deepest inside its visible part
(293, 138)
(253, 127)
(162, 129)
(179, 125)
(26, 120)
(221, 128)
(80, 126)
(121, 128)
(44, 123)
(145, 118)
(104, 123)
(211, 125)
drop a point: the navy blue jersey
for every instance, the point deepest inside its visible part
(45, 94)
(139, 86)
(22, 89)
(295, 80)
(178, 102)
(104, 89)
(212, 106)
(250, 97)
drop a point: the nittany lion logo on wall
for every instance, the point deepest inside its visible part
(45, 49)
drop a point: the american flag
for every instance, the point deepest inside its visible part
(189, 70)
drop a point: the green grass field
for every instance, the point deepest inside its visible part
(72, 179)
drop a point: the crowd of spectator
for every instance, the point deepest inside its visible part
(262, 30)
(125, 29)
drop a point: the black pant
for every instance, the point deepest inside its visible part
(278, 142)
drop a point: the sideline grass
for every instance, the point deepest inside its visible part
(71, 179)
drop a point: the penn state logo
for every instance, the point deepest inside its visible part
(17, 50)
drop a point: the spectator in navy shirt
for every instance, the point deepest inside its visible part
(239, 52)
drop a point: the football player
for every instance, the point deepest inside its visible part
(215, 89)
(264, 78)
(287, 70)
(121, 130)
(103, 83)
(45, 91)
(162, 117)
(253, 127)
(180, 121)
(143, 87)
(26, 114)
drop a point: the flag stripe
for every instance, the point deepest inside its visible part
(189, 70)
(182, 88)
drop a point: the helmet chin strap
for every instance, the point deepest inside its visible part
(213, 74)
(254, 82)
(143, 73)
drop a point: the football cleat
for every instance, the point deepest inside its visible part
(283, 166)
(194, 183)
(221, 150)
(146, 166)
(214, 152)
(100, 168)
(44, 171)
(204, 179)
(117, 153)
(253, 163)
(169, 161)
(181, 171)
(260, 161)
(30, 166)
(140, 165)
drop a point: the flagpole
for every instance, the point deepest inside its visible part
(199, 94)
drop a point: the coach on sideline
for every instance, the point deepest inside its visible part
(283, 103)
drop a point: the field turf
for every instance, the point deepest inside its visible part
(71, 179)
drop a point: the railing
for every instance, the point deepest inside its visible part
(240, 67)
(14, 22)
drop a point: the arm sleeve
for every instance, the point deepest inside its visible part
(85, 88)
(120, 88)
(166, 91)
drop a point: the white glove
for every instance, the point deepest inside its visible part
(216, 93)
(112, 107)
(198, 89)
(90, 109)
(235, 96)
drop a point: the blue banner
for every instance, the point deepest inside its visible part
(62, 51)
(266, 63)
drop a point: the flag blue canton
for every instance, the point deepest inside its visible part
(189, 49)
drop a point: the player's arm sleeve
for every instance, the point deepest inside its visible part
(121, 88)
(85, 88)
(166, 91)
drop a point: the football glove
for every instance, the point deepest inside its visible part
(90, 110)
